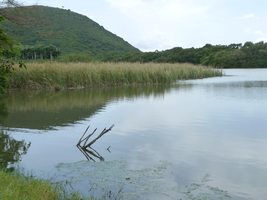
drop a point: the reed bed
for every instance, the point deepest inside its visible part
(58, 75)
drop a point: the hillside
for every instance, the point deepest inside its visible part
(72, 33)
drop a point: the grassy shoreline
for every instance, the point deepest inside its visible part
(57, 75)
(17, 186)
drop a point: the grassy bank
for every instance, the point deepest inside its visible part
(14, 186)
(55, 75)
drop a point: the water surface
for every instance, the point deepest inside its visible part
(202, 139)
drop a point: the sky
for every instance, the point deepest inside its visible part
(153, 25)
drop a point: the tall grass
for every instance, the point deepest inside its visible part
(14, 186)
(55, 75)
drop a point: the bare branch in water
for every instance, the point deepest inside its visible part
(81, 139)
(85, 147)
(89, 137)
(100, 135)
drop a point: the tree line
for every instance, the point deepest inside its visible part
(247, 55)
(40, 52)
(237, 55)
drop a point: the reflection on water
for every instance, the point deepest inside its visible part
(202, 190)
(165, 141)
(11, 151)
(3, 109)
(46, 110)
(90, 153)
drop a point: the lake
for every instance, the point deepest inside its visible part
(200, 139)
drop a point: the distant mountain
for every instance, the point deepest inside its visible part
(72, 33)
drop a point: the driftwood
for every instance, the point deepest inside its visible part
(85, 146)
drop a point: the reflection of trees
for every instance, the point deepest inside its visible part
(43, 110)
(3, 110)
(11, 150)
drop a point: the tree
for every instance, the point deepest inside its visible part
(6, 66)
(7, 52)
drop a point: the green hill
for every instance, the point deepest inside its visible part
(72, 33)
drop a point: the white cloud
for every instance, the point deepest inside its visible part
(159, 22)
(257, 35)
(248, 16)
(152, 10)
(259, 32)
(261, 36)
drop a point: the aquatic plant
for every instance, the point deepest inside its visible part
(202, 190)
(55, 75)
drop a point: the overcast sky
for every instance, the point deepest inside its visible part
(162, 24)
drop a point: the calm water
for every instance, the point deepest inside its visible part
(204, 139)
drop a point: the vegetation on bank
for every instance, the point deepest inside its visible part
(16, 186)
(8, 53)
(247, 55)
(55, 75)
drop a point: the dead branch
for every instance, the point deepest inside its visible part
(85, 147)
(88, 157)
(89, 137)
(83, 135)
(99, 136)
(94, 153)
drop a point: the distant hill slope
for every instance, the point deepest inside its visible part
(71, 32)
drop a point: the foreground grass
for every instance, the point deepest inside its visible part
(17, 187)
(55, 75)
